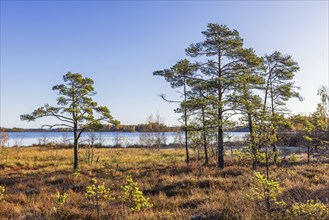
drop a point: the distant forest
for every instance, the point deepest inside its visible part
(106, 128)
(153, 127)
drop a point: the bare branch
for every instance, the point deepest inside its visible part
(82, 130)
(163, 96)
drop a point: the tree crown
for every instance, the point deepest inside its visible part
(75, 106)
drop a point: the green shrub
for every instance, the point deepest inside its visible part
(59, 201)
(97, 192)
(308, 210)
(238, 156)
(261, 156)
(2, 191)
(241, 157)
(265, 190)
(76, 174)
(293, 158)
(133, 196)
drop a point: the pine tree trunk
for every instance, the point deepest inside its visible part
(206, 162)
(274, 122)
(267, 164)
(185, 121)
(204, 136)
(76, 159)
(75, 147)
(220, 148)
(220, 156)
(252, 140)
(267, 199)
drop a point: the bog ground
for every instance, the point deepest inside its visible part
(32, 176)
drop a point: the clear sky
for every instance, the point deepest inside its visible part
(120, 43)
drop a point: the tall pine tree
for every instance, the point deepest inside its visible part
(223, 57)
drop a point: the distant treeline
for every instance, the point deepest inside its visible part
(149, 127)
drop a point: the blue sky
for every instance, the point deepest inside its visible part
(120, 44)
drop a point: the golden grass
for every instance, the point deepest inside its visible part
(33, 175)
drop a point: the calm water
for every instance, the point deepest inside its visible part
(106, 138)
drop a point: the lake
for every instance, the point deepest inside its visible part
(106, 138)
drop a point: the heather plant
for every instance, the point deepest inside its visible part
(177, 192)
(133, 196)
(98, 192)
(265, 190)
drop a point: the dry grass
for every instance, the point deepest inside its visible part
(33, 175)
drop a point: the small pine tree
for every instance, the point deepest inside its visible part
(133, 196)
(97, 192)
(265, 190)
(59, 201)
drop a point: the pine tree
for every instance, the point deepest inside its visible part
(249, 104)
(280, 71)
(223, 58)
(75, 109)
(178, 76)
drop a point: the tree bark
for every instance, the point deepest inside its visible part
(75, 146)
(75, 131)
(252, 140)
(204, 135)
(273, 121)
(185, 121)
(220, 156)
